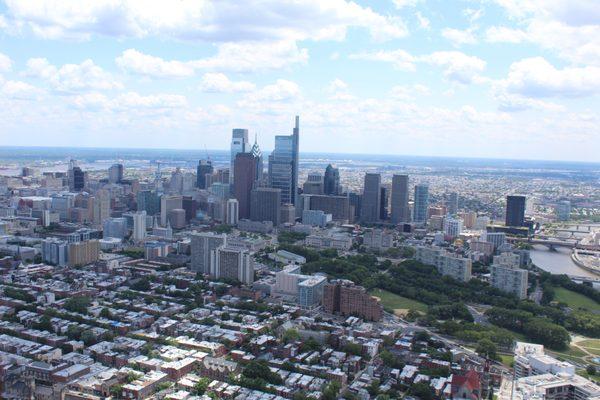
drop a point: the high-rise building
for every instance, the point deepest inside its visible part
(239, 144)
(507, 276)
(190, 206)
(55, 251)
(204, 168)
(168, 203)
(115, 173)
(337, 206)
(266, 205)
(453, 226)
(332, 181)
(76, 177)
(515, 211)
(83, 253)
(232, 263)
(446, 263)
(400, 210)
(177, 218)
(313, 184)
(563, 210)
(233, 212)
(139, 226)
(383, 205)
(257, 153)
(371, 199)
(148, 201)
(283, 165)
(244, 178)
(176, 182)
(100, 206)
(201, 246)
(115, 228)
(452, 203)
(345, 298)
(421, 203)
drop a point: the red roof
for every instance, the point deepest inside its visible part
(470, 381)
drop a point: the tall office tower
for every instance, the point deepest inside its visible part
(76, 177)
(452, 203)
(337, 206)
(266, 205)
(139, 226)
(55, 251)
(515, 211)
(400, 209)
(233, 212)
(204, 167)
(371, 199)
(355, 200)
(115, 228)
(383, 206)
(332, 181)
(176, 182)
(190, 206)
(243, 181)
(283, 165)
(115, 173)
(83, 253)
(148, 201)
(100, 207)
(421, 203)
(201, 246)
(314, 184)
(239, 144)
(257, 153)
(168, 203)
(231, 263)
(563, 210)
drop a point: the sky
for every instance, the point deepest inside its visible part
(493, 78)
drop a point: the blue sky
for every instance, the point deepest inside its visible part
(491, 78)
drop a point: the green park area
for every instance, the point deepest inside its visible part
(575, 300)
(398, 303)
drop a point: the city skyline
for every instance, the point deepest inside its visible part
(483, 80)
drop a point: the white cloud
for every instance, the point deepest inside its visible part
(20, 90)
(472, 14)
(516, 103)
(401, 92)
(459, 37)
(72, 77)
(281, 90)
(457, 66)
(5, 63)
(405, 3)
(129, 101)
(238, 57)
(220, 83)
(144, 64)
(535, 77)
(339, 90)
(502, 34)
(423, 21)
(216, 21)
(399, 58)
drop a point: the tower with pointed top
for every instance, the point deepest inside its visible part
(257, 153)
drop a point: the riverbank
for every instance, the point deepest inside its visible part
(585, 264)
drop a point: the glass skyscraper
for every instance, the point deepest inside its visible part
(283, 165)
(421, 203)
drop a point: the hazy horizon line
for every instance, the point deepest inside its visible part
(301, 152)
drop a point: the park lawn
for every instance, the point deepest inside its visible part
(583, 372)
(396, 302)
(575, 300)
(593, 343)
(571, 354)
(507, 360)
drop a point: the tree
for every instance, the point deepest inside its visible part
(591, 370)
(44, 324)
(331, 391)
(105, 313)
(486, 348)
(88, 338)
(291, 335)
(373, 388)
(142, 285)
(422, 390)
(78, 304)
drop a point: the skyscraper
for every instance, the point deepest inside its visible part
(313, 184)
(452, 203)
(204, 167)
(371, 199)
(168, 203)
(257, 153)
(266, 205)
(421, 203)
(243, 181)
(115, 173)
(239, 143)
(201, 247)
(283, 165)
(400, 210)
(148, 201)
(515, 210)
(383, 205)
(233, 212)
(76, 177)
(139, 226)
(230, 263)
(332, 181)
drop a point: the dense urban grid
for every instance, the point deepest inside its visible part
(258, 277)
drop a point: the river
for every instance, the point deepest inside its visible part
(558, 261)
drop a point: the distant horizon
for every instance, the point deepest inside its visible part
(226, 152)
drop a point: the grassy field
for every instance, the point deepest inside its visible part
(507, 360)
(393, 301)
(575, 300)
